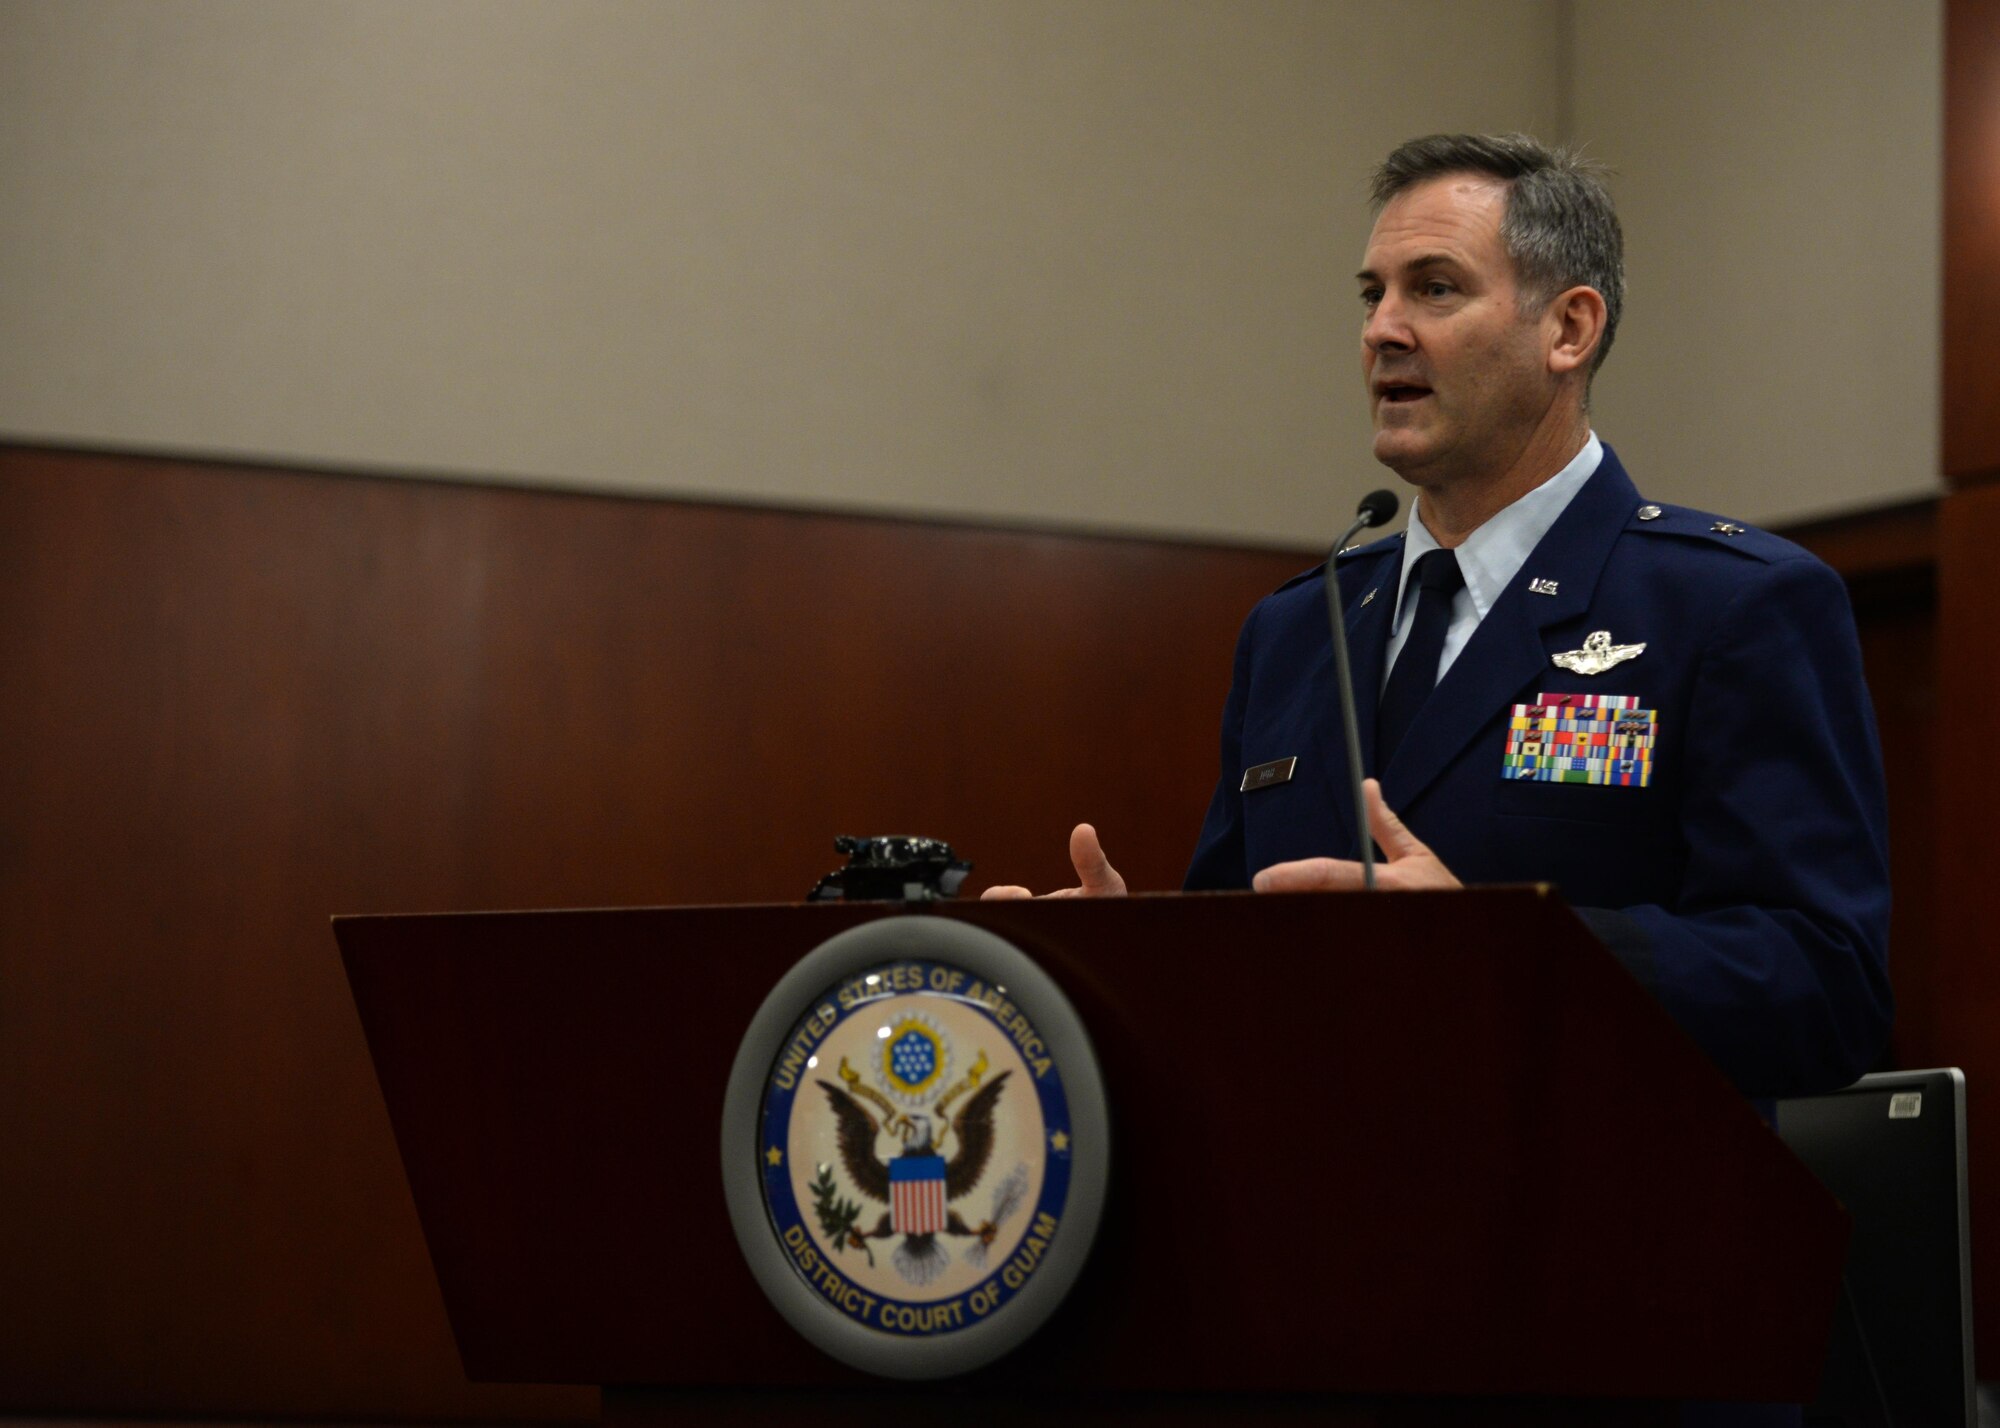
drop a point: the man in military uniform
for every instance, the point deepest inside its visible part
(1557, 679)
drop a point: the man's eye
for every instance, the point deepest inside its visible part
(1437, 288)
(1370, 296)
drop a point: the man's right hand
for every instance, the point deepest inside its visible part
(1095, 875)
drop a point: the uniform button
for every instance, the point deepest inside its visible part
(1649, 513)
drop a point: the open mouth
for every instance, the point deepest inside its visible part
(1398, 393)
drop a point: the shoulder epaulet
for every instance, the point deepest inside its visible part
(1342, 557)
(1374, 547)
(1686, 523)
(1302, 577)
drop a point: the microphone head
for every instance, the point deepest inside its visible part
(1377, 508)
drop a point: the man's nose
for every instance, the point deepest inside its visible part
(1386, 330)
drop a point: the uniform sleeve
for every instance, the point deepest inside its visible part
(1775, 956)
(1219, 859)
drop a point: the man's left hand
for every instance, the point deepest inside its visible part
(1406, 863)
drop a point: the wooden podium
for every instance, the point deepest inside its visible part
(1395, 1158)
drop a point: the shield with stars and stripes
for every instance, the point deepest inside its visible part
(916, 1194)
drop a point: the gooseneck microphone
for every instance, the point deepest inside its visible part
(1377, 508)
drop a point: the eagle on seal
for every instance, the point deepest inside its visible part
(920, 1258)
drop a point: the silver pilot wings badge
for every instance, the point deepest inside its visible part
(1598, 654)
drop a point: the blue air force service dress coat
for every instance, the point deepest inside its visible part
(1711, 800)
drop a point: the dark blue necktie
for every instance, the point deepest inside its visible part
(1410, 683)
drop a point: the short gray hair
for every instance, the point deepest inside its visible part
(1559, 228)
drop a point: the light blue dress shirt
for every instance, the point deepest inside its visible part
(1490, 557)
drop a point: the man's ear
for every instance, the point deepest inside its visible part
(1577, 319)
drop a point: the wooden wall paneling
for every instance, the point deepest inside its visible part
(1967, 891)
(237, 701)
(1966, 977)
(1899, 651)
(1877, 550)
(200, 1209)
(1971, 308)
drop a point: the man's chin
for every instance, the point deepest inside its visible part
(1403, 452)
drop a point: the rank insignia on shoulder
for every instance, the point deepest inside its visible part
(1597, 655)
(1603, 739)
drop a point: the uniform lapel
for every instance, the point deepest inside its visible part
(1367, 639)
(1367, 646)
(1507, 651)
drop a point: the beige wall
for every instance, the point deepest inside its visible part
(1040, 260)
(1780, 179)
(1034, 260)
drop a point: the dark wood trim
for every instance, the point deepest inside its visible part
(1887, 555)
(1971, 309)
(1876, 541)
(1963, 1028)
(1303, 553)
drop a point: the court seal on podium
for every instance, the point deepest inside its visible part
(915, 1146)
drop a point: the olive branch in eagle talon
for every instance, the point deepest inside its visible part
(837, 1215)
(920, 1258)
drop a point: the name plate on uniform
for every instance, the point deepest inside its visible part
(1267, 775)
